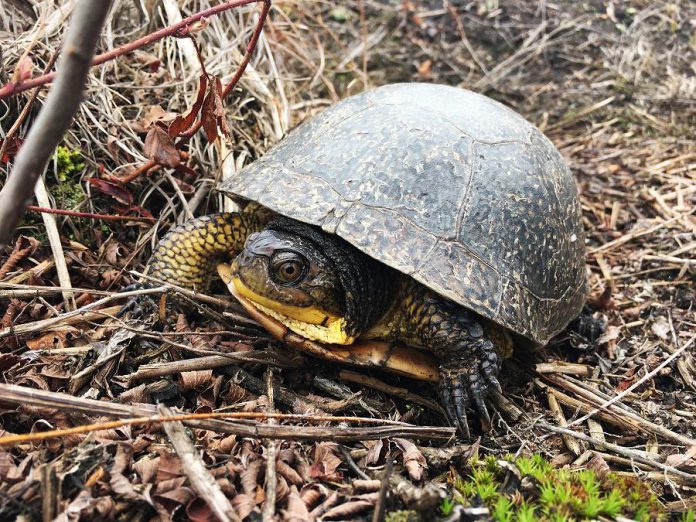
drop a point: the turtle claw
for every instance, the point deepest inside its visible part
(138, 306)
(464, 381)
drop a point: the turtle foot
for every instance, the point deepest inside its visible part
(137, 306)
(467, 378)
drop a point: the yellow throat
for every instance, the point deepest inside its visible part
(311, 323)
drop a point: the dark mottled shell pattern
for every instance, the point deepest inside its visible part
(445, 185)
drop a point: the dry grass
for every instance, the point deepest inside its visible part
(612, 85)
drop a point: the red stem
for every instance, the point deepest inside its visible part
(240, 70)
(106, 217)
(10, 89)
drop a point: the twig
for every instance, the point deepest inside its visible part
(56, 246)
(381, 504)
(55, 117)
(25, 110)
(366, 380)
(202, 482)
(81, 314)
(271, 479)
(177, 29)
(141, 415)
(640, 381)
(90, 215)
(351, 463)
(628, 453)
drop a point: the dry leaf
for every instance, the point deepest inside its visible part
(326, 462)
(288, 473)
(195, 380)
(347, 510)
(248, 477)
(610, 334)
(160, 147)
(414, 461)
(297, 509)
(243, 504)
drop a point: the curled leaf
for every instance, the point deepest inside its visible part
(160, 147)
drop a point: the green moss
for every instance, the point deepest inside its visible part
(68, 162)
(535, 490)
(401, 516)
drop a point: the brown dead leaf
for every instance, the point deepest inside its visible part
(169, 466)
(610, 334)
(243, 504)
(414, 461)
(160, 147)
(282, 489)
(296, 510)
(312, 494)
(195, 380)
(374, 452)
(51, 340)
(198, 510)
(249, 477)
(347, 510)
(146, 468)
(598, 465)
(288, 473)
(326, 462)
(183, 123)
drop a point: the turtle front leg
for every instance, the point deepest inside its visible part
(468, 371)
(469, 357)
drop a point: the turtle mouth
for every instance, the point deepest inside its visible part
(310, 322)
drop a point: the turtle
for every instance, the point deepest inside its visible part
(427, 219)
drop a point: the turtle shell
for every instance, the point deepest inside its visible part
(445, 185)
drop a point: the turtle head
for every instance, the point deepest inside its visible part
(295, 275)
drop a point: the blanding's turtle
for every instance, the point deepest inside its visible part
(416, 214)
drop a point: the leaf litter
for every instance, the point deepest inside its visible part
(610, 84)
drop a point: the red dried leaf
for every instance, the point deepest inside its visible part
(11, 150)
(208, 116)
(112, 189)
(160, 147)
(137, 210)
(183, 123)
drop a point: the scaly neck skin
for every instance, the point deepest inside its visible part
(186, 254)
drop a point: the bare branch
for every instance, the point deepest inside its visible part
(56, 115)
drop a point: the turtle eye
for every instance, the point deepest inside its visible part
(288, 268)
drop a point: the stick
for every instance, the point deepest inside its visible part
(640, 381)
(175, 29)
(631, 454)
(202, 482)
(56, 115)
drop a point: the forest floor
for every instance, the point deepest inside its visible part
(612, 84)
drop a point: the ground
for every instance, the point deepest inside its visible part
(612, 84)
